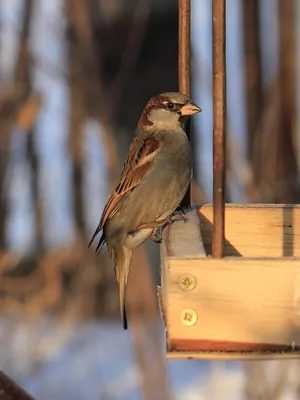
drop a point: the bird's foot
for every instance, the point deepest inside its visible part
(157, 236)
(179, 214)
(161, 224)
(179, 209)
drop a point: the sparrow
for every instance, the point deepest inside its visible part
(154, 180)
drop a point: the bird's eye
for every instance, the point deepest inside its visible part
(170, 105)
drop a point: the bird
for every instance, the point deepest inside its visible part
(153, 181)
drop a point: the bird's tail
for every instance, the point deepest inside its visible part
(122, 264)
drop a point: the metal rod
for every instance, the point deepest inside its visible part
(9, 390)
(184, 75)
(219, 125)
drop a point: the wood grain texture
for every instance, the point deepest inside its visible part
(178, 233)
(188, 233)
(230, 346)
(233, 356)
(256, 230)
(241, 304)
(247, 304)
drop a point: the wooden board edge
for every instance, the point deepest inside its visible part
(190, 232)
(160, 301)
(204, 345)
(232, 356)
(250, 205)
(237, 260)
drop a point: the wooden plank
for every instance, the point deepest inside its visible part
(235, 304)
(185, 232)
(256, 230)
(178, 233)
(233, 356)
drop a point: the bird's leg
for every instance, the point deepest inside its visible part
(166, 221)
(156, 236)
(180, 209)
(154, 224)
(179, 214)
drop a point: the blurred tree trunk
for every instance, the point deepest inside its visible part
(253, 81)
(275, 170)
(286, 165)
(23, 77)
(87, 54)
(6, 110)
(78, 112)
(9, 106)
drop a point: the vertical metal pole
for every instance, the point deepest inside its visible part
(184, 75)
(219, 126)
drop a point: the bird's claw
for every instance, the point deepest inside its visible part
(179, 209)
(180, 216)
(156, 236)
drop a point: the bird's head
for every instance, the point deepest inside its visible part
(167, 111)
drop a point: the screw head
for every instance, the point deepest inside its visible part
(188, 317)
(187, 282)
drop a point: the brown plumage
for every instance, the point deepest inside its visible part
(153, 181)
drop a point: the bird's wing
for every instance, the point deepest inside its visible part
(139, 161)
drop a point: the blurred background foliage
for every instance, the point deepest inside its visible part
(74, 78)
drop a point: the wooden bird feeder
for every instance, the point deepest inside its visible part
(230, 276)
(243, 306)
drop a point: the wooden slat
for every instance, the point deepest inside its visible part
(187, 232)
(246, 307)
(256, 230)
(180, 232)
(233, 356)
(241, 304)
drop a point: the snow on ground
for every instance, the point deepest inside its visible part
(52, 359)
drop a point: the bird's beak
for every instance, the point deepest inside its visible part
(189, 109)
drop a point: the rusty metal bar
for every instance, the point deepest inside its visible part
(9, 390)
(219, 125)
(184, 45)
(184, 75)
